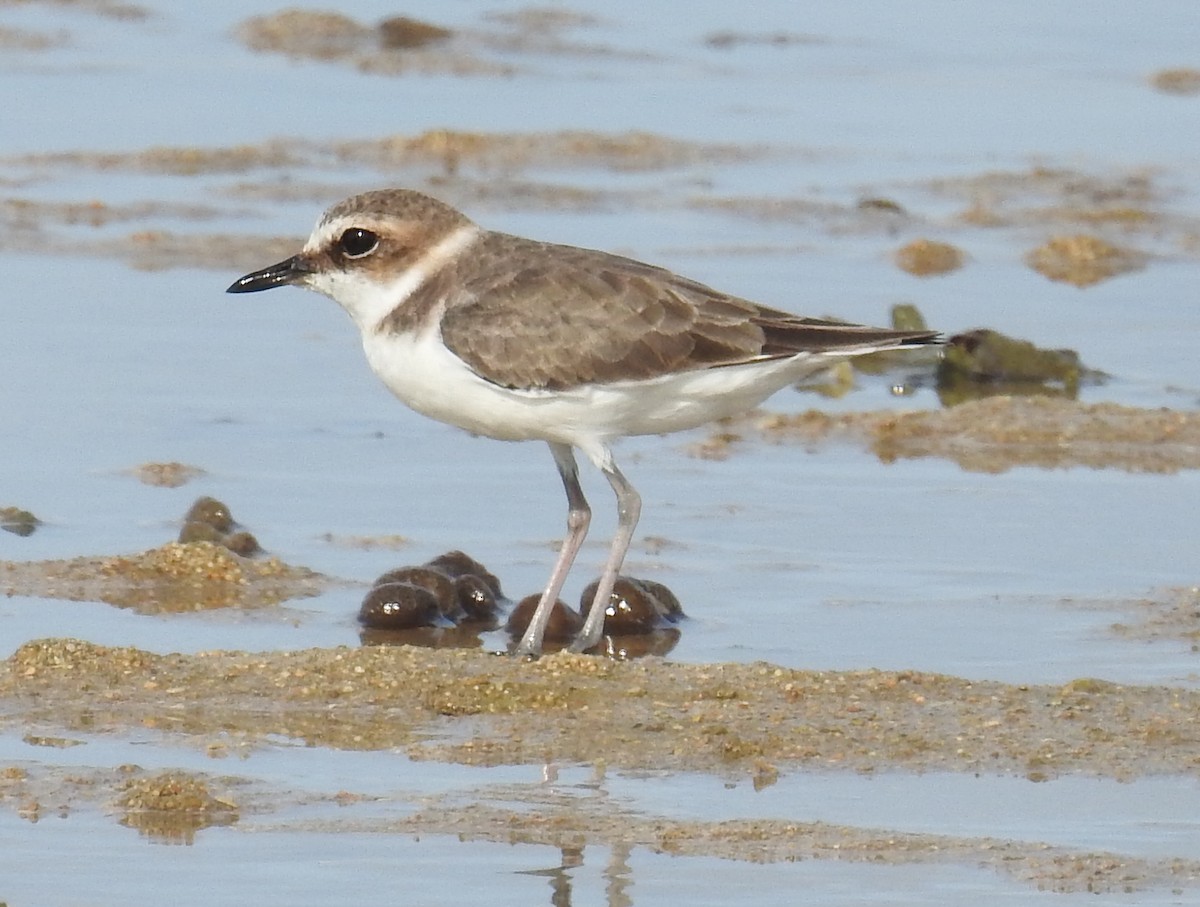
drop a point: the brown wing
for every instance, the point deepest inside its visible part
(532, 315)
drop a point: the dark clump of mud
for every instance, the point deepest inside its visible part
(640, 619)
(635, 606)
(451, 587)
(210, 520)
(563, 625)
(451, 599)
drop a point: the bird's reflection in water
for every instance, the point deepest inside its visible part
(617, 877)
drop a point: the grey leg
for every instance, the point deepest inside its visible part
(629, 508)
(578, 517)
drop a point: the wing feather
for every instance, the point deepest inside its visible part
(533, 315)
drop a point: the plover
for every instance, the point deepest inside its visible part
(522, 340)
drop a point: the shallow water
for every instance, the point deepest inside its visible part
(825, 559)
(351, 865)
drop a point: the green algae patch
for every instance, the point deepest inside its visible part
(987, 363)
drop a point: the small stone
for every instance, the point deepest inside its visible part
(242, 543)
(455, 564)
(211, 511)
(399, 606)
(17, 521)
(199, 531)
(437, 583)
(563, 625)
(634, 606)
(476, 598)
(403, 33)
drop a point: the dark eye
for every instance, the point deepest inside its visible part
(358, 243)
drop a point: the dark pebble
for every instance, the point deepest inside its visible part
(564, 622)
(668, 603)
(634, 607)
(200, 531)
(211, 511)
(435, 582)
(455, 564)
(399, 606)
(476, 598)
(242, 543)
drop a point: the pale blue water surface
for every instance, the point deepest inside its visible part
(824, 559)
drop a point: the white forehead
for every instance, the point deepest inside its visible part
(372, 287)
(400, 213)
(327, 231)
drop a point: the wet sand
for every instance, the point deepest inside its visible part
(482, 709)
(755, 721)
(173, 578)
(993, 434)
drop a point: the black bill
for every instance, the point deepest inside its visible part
(289, 271)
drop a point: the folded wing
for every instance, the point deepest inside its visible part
(580, 316)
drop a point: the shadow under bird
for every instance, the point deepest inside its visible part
(522, 340)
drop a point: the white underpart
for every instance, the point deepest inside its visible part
(429, 378)
(432, 380)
